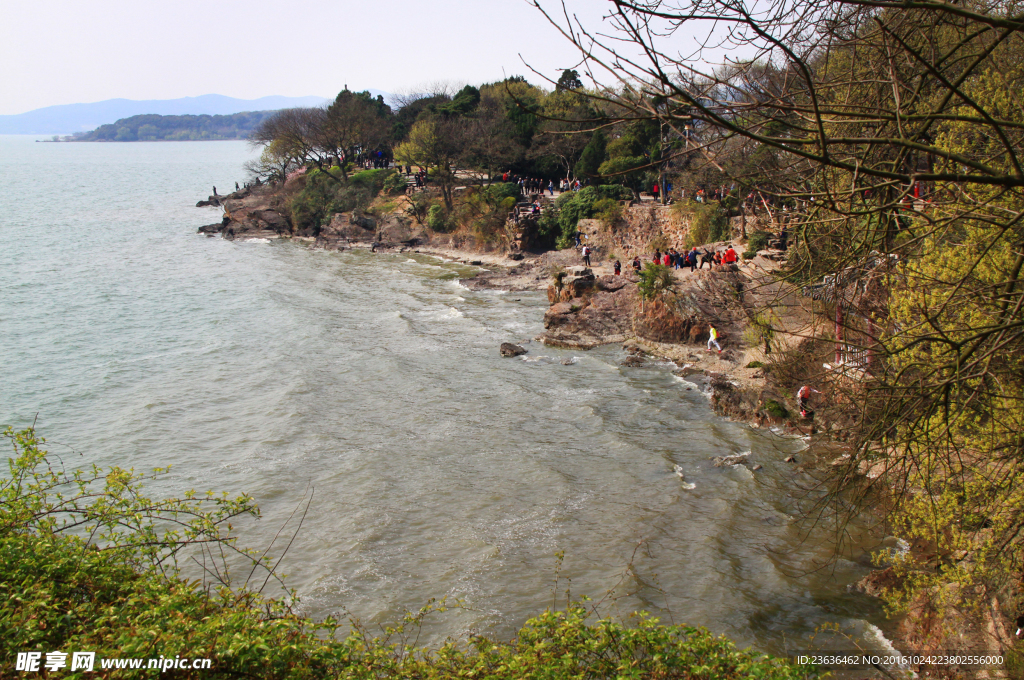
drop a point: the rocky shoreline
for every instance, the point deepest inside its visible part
(590, 307)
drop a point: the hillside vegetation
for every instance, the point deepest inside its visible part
(154, 128)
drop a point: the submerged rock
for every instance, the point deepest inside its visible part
(726, 461)
(507, 349)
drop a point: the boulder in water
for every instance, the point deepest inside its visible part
(726, 461)
(507, 349)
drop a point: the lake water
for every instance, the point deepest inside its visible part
(373, 382)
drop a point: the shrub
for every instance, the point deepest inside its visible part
(756, 364)
(549, 228)
(498, 192)
(437, 219)
(708, 222)
(395, 183)
(84, 566)
(775, 409)
(758, 241)
(584, 204)
(655, 279)
(370, 180)
(322, 196)
(608, 210)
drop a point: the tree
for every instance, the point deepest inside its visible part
(592, 156)
(437, 144)
(890, 131)
(631, 156)
(297, 130)
(275, 162)
(564, 131)
(569, 80)
(353, 123)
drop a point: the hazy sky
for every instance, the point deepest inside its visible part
(69, 51)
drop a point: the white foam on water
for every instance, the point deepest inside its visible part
(412, 260)
(874, 634)
(685, 382)
(689, 486)
(458, 284)
(256, 240)
(571, 361)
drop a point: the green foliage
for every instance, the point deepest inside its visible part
(708, 222)
(485, 210)
(608, 210)
(592, 157)
(549, 228)
(758, 241)
(323, 195)
(630, 156)
(655, 279)
(586, 203)
(395, 183)
(569, 80)
(756, 364)
(87, 564)
(149, 127)
(499, 191)
(775, 409)
(463, 103)
(371, 180)
(437, 219)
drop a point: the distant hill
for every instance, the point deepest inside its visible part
(69, 118)
(153, 128)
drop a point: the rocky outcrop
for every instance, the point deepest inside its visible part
(600, 314)
(588, 311)
(509, 349)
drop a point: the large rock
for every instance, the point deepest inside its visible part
(508, 349)
(584, 322)
(395, 229)
(363, 221)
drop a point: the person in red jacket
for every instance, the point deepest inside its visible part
(730, 256)
(803, 397)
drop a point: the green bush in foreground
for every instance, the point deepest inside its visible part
(83, 567)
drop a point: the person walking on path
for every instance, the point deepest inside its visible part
(618, 267)
(551, 187)
(637, 266)
(586, 255)
(803, 397)
(713, 339)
